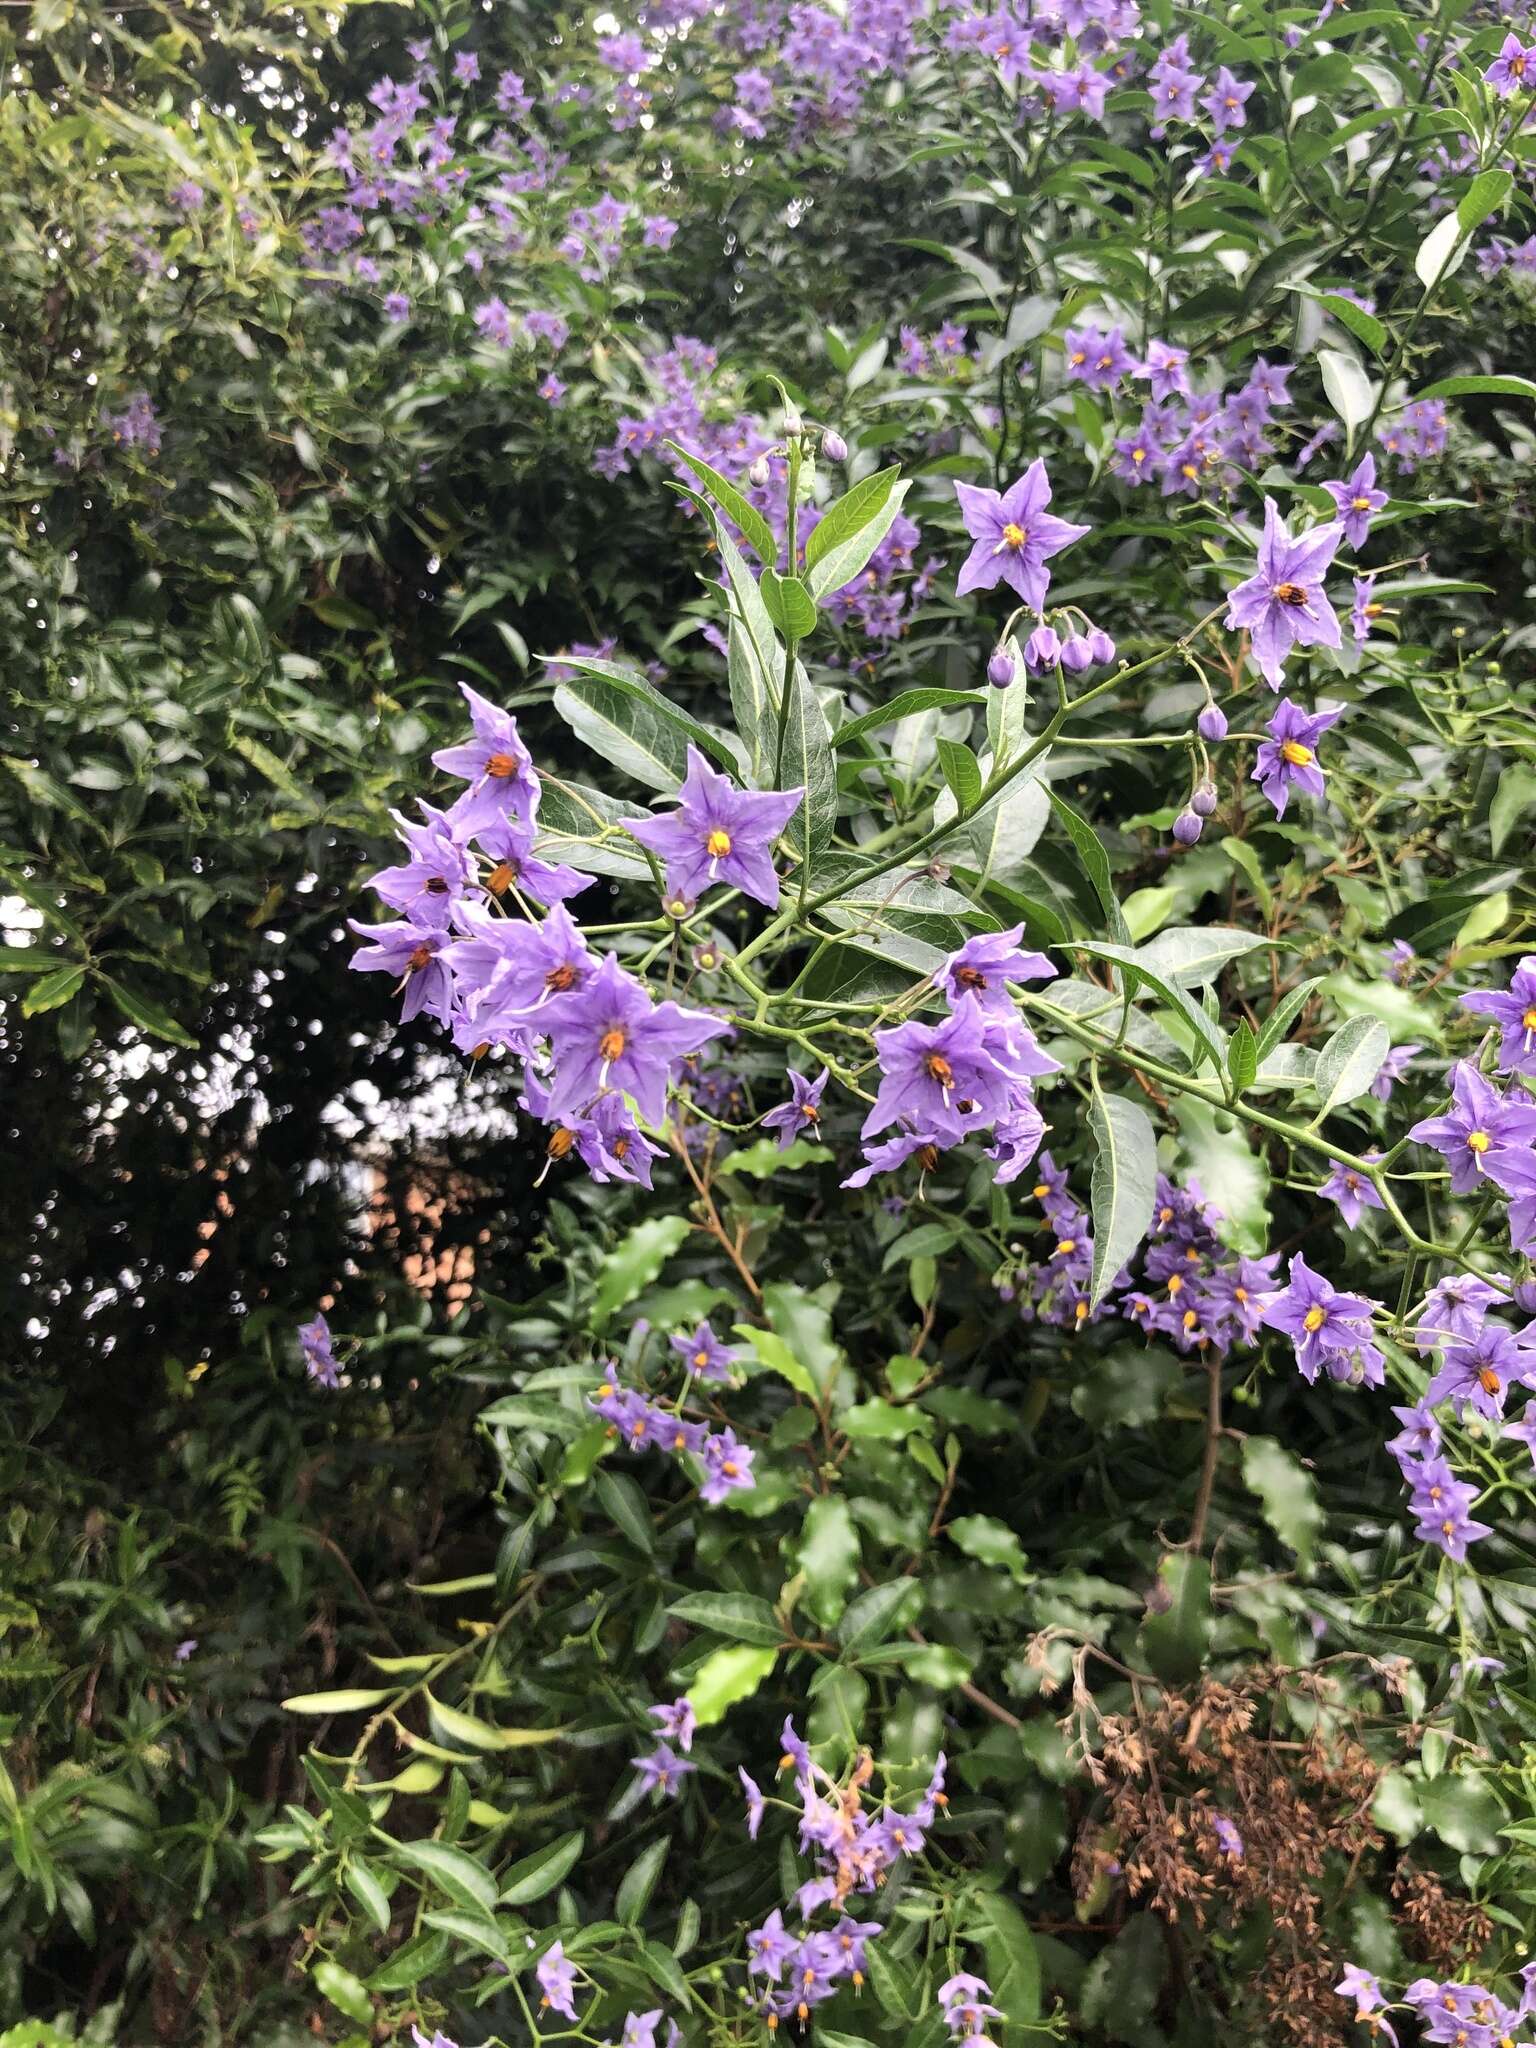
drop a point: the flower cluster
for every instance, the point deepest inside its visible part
(319, 1358)
(854, 1849)
(642, 1424)
(1446, 2011)
(1193, 444)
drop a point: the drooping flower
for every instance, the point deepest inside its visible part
(1357, 500)
(1364, 611)
(705, 1356)
(965, 2002)
(1014, 536)
(557, 1982)
(983, 965)
(1317, 1317)
(1284, 605)
(719, 834)
(1288, 760)
(676, 1721)
(1351, 1191)
(1481, 1133)
(1475, 1374)
(413, 953)
(319, 1358)
(756, 1804)
(803, 1110)
(1392, 1070)
(608, 1034)
(440, 871)
(507, 842)
(1514, 1011)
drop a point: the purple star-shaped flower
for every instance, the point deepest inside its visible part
(1226, 101)
(1014, 536)
(768, 1946)
(1352, 1192)
(508, 844)
(1287, 760)
(893, 1152)
(1392, 1070)
(557, 1982)
(1514, 1011)
(939, 1076)
(319, 1358)
(719, 833)
(756, 1804)
(608, 1035)
(1283, 605)
(1476, 1374)
(801, 1113)
(1483, 1132)
(676, 1720)
(1317, 1317)
(663, 1771)
(440, 871)
(413, 952)
(704, 1355)
(983, 965)
(727, 1467)
(1357, 500)
(1513, 70)
(507, 970)
(495, 764)
(1364, 611)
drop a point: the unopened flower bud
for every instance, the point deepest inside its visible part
(1000, 669)
(1076, 654)
(1043, 647)
(1187, 827)
(1525, 1296)
(1204, 800)
(1212, 724)
(1100, 645)
(793, 424)
(833, 446)
(758, 473)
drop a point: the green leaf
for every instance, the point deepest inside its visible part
(772, 1352)
(452, 1724)
(1350, 392)
(627, 1507)
(881, 1420)
(877, 1612)
(343, 1991)
(52, 991)
(1464, 1810)
(990, 1542)
(1279, 1019)
(1287, 1493)
(1515, 794)
(1013, 1961)
(961, 772)
(809, 765)
(1483, 921)
(633, 1264)
(789, 604)
(907, 705)
(1176, 1634)
(740, 1615)
(1095, 863)
(639, 1881)
(148, 1016)
(1122, 1988)
(1214, 1148)
(537, 1875)
(759, 535)
(1242, 1056)
(421, 1957)
(1364, 326)
(1132, 960)
(369, 1893)
(828, 1554)
(725, 1677)
(1192, 956)
(466, 1882)
(349, 1700)
(1349, 1063)
(849, 515)
(841, 561)
(1123, 1185)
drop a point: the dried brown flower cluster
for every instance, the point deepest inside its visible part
(1208, 1816)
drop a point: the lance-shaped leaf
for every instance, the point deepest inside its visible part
(1123, 1186)
(1209, 1043)
(1349, 1062)
(810, 764)
(754, 528)
(841, 560)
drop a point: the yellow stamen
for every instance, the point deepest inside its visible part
(1314, 1319)
(1294, 752)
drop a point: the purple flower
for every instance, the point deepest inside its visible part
(608, 1035)
(552, 391)
(983, 965)
(676, 1721)
(1440, 1504)
(1513, 70)
(1476, 1374)
(939, 1076)
(508, 843)
(1352, 1192)
(1317, 1318)
(1015, 1140)
(495, 322)
(1283, 605)
(1363, 1988)
(1225, 102)
(397, 307)
(719, 833)
(1166, 371)
(803, 1110)
(1287, 760)
(768, 1946)
(755, 1806)
(893, 1152)
(185, 1650)
(1228, 1839)
(439, 872)
(413, 953)
(1392, 1070)
(663, 1771)
(1514, 1011)
(1364, 610)
(495, 764)
(1482, 1132)
(1456, 1308)
(1400, 963)
(319, 1358)
(557, 1982)
(1419, 1436)
(727, 1467)
(704, 1355)
(1095, 359)
(657, 231)
(1014, 536)
(964, 2002)
(1357, 499)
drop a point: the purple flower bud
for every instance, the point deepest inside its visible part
(793, 424)
(1525, 1296)
(758, 474)
(833, 446)
(1187, 827)
(1212, 724)
(1000, 669)
(1043, 647)
(1100, 645)
(1204, 800)
(1076, 654)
